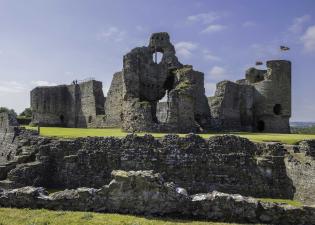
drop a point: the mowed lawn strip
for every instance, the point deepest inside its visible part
(117, 132)
(46, 217)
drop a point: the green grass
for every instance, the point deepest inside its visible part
(117, 132)
(284, 201)
(47, 217)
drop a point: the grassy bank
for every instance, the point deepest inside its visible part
(83, 132)
(47, 217)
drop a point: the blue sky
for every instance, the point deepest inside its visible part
(48, 42)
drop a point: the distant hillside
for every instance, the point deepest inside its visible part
(302, 127)
(302, 124)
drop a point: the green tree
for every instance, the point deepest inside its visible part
(5, 109)
(27, 113)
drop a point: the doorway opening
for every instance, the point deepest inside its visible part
(260, 125)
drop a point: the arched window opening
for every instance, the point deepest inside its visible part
(157, 57)
(277, 109)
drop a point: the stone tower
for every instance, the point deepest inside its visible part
(261, 102)
(272, 108)
(75, 105)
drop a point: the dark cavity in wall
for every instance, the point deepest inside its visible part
(62, 119)
(277, 109)
(169, 82)
(260, 125)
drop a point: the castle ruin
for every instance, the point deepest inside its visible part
(260, 102)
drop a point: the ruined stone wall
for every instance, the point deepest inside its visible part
(231, 107)
(202, 114)
(261, 102)
(51, 105)
(146, 81)
(91, 103)
(75, 105)
(228, 164)
(7, 122)
(162, 111)
(114, 101)
(8, 132)
(300, 166)
(148, 193)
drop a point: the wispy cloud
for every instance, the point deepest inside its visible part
(112, 34)
(298, 23)
(207, 55)
(185, 49)
(218, 73)
(7, 87)
(248, 24)
(213, 28)
(205, 18)
(43, 83)
(308, 39)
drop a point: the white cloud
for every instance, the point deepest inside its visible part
(249, 24)
(185, 49)
(112, 34)
(7, 87)
(218, 73)
(213, 28)
(42, 83)
(207, 55)
(308, 39)
(204, 18)
(298, 22)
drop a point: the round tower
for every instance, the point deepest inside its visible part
(272, 108)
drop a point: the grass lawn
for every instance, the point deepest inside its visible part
(117, 132)
(47, 217)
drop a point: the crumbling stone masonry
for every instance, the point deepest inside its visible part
(146, 192)
(76, 105)
(226, 163)
(133, 97)
(261, 102)
(146, 82)
(230, 164)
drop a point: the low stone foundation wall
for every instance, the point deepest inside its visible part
(143, 192)
(225, 163)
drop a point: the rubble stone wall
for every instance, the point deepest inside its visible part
(261, 102)
(75, 105)
(224, 163)
(146, 192)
